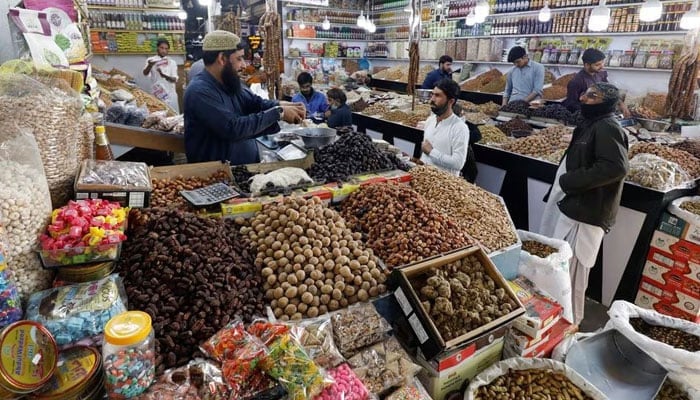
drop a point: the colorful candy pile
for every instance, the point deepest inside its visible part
(347, 385)
(84, 231)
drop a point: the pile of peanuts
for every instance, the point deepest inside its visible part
(538, 249)
(480, 213)
(492, 135)
(400, 225)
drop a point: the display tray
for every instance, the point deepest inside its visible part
(547, 120)
(80, 255)
(511, 115)
(616, 366)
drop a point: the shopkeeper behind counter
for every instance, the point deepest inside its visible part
(525, 81)
(222, 116)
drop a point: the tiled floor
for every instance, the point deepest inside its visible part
(595, 316)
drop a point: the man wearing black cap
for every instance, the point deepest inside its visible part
(591, 73)
(223, 117)
(525, 81)
(585, 197)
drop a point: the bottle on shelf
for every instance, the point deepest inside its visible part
(102, 149)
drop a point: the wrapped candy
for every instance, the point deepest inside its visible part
(347, 386)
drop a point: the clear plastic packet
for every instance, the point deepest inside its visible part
(153, 119)
(124, 174)
(135, 115)
(654, 172)
(316, 337)
(347, 385)
(294, 369)
(78, 311)
(358, 326)
(198, 380)
(10, 302)
(117, 114)
(240, 353)
(412, 391)
(267, 331)
(383, 366)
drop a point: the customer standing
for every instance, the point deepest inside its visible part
(526, 80)
(163, 73)
(591, 73)
(444, 71)
(339, 113)
(315, 102)
(585, 197)
(446, 136)
(222, 117)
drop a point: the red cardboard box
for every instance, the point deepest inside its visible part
(661, 257)
(685, 250)
(542, 309)
(517, 343)
(654, 272)
(669, 300)
(558, 332)
(663, 241)
(397, 176)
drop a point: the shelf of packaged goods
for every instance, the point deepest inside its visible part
(131, 31)
(556, 10)
(356, 11)
(90, 7)
(333, 24)
(337, 39)
(317, 56)
(135, 53)
(571, 66)
(582, 34)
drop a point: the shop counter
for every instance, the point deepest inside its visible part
(133, 136)
(390, 130)
(474, 97)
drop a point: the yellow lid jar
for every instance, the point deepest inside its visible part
(128, 355)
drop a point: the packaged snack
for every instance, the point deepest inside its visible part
(267, 331)
(347, 385)
(413, 391)
(358, 326)
(198, 380)
(78, 311)
(316, 337)
(383, 366)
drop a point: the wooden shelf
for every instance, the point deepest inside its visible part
(131, 31)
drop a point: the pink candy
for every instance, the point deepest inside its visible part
(347, 385)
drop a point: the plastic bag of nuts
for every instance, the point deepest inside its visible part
(686, 208)
(674, 359)
(198, 380)
(517, 378)
(383, 366)
(358, 326)
(657, 173)
(25, 208)
(316, 336)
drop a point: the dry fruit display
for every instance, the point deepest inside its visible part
(477, 83)
(563, 80)
(489, 108)
(311, 262)
(515, 124)
(383, 366)
(664, 334)
(496, 85)
(480, 213)
(400, 225)
(477, 118)
(643, 112)
(691, 206)
(460, 297)
(656, 173)
(492, 135)
(554, 92)
(520, 107)
(529, 383)
(685, 160)
(357, 327)
(670, 391)
(532, 146)
(538, 249)
(166, 192)
(692, 146)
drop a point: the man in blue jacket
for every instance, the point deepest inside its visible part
(443, 71)
(223, 117)
(315, 102)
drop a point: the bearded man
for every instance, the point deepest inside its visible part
(446, 136)
(222, 116)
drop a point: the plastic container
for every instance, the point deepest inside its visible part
(615, 59)
(640, 60)
(28, 357)
(77, 377)
(80, 255)
(653, 59)
(666, 60)
(129, 355)
(85, 273)
(627, 59)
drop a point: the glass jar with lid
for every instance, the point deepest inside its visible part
(537, 57)
(573, 56)
(615, 59)
(128, 355)
(640, 60)
(653, 59)
(545, 56)
(554, 56)
(627, 59)
(563, 56)
(666, 59)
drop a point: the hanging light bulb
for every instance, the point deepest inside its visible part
(546, 13)
(600, 18)
(371, 27)
(361, 21)
(481, 11)
(302, 25)
(691, 19)
(326, 24)
(650, 11)
(471, 18)
(182, 15)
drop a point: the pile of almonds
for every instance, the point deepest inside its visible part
(480, 213)
(685, 160)
(400, 225)
(311, 261)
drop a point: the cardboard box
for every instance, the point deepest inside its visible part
(126, 196)
(246, 207)
(672, 225)
(451, 358)
(661, 257)
(397, 176)
(663, 241)
(558, 332)
(517, 344)
(196, 170)
(655, 272)
(442, 385)
(685, 250)
(646, 300)
(340, 192)
(542, 309)
(671, 299)
(431, 342)
(507, 260)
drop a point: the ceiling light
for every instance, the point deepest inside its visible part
(326, 24)
(600, 18)
(371, 27)
(691, 19)
(361, 21)
(481, 10)
(471, 19)
(651, 11)
(182, 15)
(546, 13)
